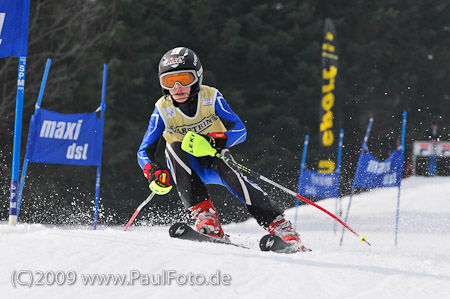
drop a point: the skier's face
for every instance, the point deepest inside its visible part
(180, 93)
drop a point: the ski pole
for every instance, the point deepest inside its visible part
(290, 192)
(198, 146)
(139, 209)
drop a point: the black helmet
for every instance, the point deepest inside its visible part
(176, 61)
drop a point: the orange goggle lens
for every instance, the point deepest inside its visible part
(185, 78)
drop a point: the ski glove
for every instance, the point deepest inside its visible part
(217, 140)
(203, 145)
(158, 178)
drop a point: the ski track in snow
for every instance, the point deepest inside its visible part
(419, 267)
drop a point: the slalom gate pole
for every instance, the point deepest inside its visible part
(302, 167)
(36, 111)
(146, 201)
(12, 220)
(363, 148)
(99, 166)
(338, 174)
(290, 192)
(402, 154)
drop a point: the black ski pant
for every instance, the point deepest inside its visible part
(191, 175)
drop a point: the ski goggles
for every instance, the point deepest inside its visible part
(185, 78)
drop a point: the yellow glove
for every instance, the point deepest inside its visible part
(197, 145)
(158, 177)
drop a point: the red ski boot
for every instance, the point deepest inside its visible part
(207, 220)
(283, 228)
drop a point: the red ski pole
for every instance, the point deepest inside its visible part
(139, 209)
(245, 169)
(198, 146)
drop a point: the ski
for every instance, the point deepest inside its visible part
(269, 242)
(276, 244)
(183, 231)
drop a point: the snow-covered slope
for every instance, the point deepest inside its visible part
(419, 267)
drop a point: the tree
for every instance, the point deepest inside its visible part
(265, 59)
(68, 32)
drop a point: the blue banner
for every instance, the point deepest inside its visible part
(372, 173)
(74, 139)
(317, 184)
(14, 15)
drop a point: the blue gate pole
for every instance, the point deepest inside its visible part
(402, 154)
(432, 163)
(338, 173)
(17, 138)
(364, 147)
(36, 111)
(302, 167)
(99, 167)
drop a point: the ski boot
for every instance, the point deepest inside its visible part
(207, 220)
(283, 228)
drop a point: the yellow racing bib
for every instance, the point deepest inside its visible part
(203, 122)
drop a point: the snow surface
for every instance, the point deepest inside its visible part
(419, 267)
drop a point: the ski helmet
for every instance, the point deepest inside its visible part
(176, 61)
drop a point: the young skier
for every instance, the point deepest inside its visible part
(187, 105)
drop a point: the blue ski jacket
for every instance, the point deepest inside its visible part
(236, 131)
